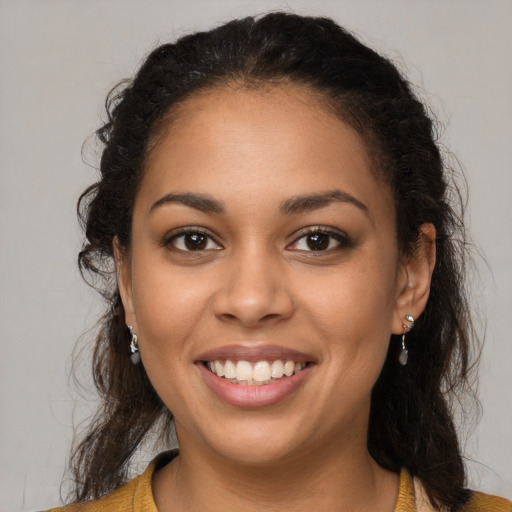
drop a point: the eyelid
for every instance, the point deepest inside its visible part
(339, 235)
(179, 232)
(343, 239)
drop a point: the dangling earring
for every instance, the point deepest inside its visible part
(407, 324)
(134, 347)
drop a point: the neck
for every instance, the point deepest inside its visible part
(327, 478)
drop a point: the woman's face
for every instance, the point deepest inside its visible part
(263, 245)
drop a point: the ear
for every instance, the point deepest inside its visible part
(415, 277)
(124, 281)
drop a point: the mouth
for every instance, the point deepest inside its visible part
(255, 373)
(252, 375)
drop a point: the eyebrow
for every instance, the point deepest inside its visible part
(309, 202)
(200, 202)
(294, 205)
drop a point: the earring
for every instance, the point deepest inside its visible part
(407, 324)
(134, 347)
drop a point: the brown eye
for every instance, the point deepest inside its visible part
(193, 241)
(318, 241)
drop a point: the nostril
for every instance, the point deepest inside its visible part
(270, 316)
(253, 299)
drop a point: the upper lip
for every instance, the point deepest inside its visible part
(254, 353)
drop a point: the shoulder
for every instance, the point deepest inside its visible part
(481, 502)
(136, 495)
(478, 502)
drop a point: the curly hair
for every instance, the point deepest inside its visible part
(411, 417)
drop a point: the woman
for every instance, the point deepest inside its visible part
(288, 284)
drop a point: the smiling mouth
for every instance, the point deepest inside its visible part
(257, 373)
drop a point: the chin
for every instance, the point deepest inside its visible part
(259, 454)
(254, 443)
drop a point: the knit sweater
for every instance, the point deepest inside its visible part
(137, 496)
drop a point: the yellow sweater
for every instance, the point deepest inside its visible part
(136, 496)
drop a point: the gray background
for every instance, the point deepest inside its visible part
(59, 58)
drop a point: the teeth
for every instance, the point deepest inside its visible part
(261, 371)
(254, 374)
(289, 368)
(229, 370)
(219, 369)
(243, 370)
(277, 369)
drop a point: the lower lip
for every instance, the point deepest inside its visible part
(262, 395)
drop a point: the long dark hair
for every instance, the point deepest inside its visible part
(411, 421)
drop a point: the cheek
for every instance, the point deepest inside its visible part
(169, 309)
(168, 305)
(347, 299)
(352, 310)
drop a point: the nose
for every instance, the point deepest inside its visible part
(254, 293)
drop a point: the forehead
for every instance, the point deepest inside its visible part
(259, 144)
(231, 109)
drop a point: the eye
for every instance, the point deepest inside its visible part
(320, 241)
(192, 240)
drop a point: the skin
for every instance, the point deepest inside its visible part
(257, 281)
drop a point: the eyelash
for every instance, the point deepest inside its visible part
(170, 240)
(342, 239)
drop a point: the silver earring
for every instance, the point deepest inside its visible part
(134, 347)
(407, 324)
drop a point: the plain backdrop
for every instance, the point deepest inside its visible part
(59, 58)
